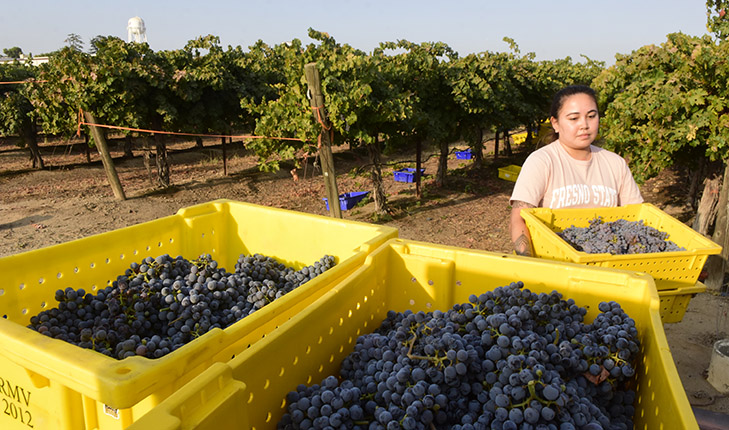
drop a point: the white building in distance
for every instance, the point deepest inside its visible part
(24, 59)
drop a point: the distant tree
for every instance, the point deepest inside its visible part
(717, 20)
(94, 44)
(13, 52)
(75, 42)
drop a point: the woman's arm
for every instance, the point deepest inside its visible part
(519, 232)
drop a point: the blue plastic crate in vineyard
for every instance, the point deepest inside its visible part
(407, 174)
(464, 155)
(348, 200)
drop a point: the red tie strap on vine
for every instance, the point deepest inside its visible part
(78, 129)
(142, 130)
(31, 81)
(319, 118)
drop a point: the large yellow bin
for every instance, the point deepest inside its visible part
(51, 384)
(249, 391)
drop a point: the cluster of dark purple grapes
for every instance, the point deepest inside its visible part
(268, 280)
(508, 359)
(618, 237)
(162, 303)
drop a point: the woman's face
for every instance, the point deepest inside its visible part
(577, 123)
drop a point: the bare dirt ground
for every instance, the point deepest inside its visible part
(72, 199)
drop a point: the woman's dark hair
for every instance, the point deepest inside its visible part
(561, 95)
(558, 101)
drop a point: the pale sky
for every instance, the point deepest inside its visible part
(551, 29)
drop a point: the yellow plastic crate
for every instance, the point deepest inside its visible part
(52, 384)
(510, 172)
(678, 266)
(518, 138)
(545, 128)
(675, 301)
(249, 391)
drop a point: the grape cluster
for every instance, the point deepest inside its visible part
(618, 237)
(160, 304)
(507, 359)
(269, 280)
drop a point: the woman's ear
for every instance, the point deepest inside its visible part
(555, 124)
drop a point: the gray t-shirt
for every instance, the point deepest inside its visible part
(551, 178)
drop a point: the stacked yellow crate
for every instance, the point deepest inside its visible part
(676, 273)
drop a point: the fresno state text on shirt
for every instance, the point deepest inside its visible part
(582, 194)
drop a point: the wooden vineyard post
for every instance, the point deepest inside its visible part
(507, 144)
(225, 164)
(717, 264)
(325, 151)
(106, 159)
(418, 163)
(496, 145)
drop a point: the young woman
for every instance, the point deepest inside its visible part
(570, 172)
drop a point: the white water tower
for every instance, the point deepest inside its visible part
(136, 31)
